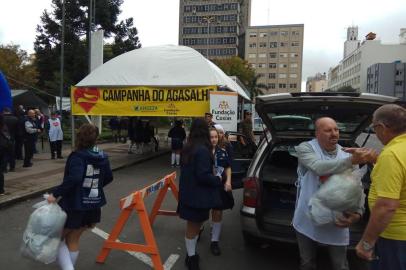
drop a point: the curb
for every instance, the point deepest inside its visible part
(35, 193)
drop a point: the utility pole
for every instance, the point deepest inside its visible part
(62, 58)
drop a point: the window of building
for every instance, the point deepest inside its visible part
(263, 35)
(283, 44)
(294, 55)
(293, 65)
(398, 72)
(282, 85)
(272, 55)
(262, 55)
(271, 86)
(282, 76)
(295, 33)
(274, 33)
(253, 34)
(262, 44)
(252, 55)
(283, 55)
(398, 83)
(252, 65)
(272, 76)
(253, 45)
(272, 65)
(295, 44)
(293, 85)
(293, 75)
(283, 65)
(284, 33)
(262, 65)
(260, 75)
(273, 45)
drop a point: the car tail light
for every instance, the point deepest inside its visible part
(251, 192)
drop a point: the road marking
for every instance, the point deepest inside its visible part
(140, 256)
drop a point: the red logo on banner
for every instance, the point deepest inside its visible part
(86, 97)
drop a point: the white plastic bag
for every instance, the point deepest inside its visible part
(340, 193)
(43, 234)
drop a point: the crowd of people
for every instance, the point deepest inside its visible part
(20, 131)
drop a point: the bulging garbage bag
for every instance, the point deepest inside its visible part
(43, 234)
(341, 192)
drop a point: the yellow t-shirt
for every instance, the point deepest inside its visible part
(389, 181)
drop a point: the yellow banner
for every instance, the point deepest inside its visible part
(141, 101)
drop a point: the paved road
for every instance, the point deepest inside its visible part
(169, 232)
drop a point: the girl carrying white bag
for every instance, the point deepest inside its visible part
(43, 234)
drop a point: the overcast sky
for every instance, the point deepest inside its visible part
(157, 22)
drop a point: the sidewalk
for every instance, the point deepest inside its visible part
(47, 173)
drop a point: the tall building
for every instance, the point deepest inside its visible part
(317, 83)
(352, 69)
(276, 54)
(215, 28)
(387, 79)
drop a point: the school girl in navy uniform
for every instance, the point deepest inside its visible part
(81, 193)
(222, 162)
(198, 187)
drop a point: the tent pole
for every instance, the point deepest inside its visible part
(73, 131)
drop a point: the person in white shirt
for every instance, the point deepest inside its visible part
(55, 135)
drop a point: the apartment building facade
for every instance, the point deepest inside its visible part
(215, 28)
(387, 79)
(352, 69)
(276, 54)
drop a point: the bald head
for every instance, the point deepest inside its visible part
(327, 133)
(392, 116)
(31, 113)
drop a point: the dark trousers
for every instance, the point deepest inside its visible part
(29, 144)
(1, 174)
(56, 147)
(19, 148)
(308, 254)
(9, 157)
(391, 255)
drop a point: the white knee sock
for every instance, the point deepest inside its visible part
(63, 257)
(191, 246)
(215, 231)
(74, 256)
(177, 159)
(173, 158)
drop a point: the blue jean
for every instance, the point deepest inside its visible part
(391, 253)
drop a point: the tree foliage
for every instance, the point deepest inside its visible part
(235, 66)
(17, 66)
(47, 45)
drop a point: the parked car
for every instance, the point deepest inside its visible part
(269, 194)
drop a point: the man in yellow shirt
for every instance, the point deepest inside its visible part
(384, 239)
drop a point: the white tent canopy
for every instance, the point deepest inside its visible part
(165, 66)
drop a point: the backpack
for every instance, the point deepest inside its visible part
(5, 141)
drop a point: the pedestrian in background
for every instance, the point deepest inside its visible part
(114, 125)
(123, 131)
(40, 120)
(4, 145)
(386, 230)
(209, 119)
(31, 132)
(178, 135)
(55, 135)
(11, 123)
(198, 187)
(87, 172)
(20, 132)
(222, 165)
(246, 128)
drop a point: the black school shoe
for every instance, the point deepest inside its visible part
(192, 262)
(215, 249)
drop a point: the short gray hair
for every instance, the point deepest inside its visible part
(392, 116)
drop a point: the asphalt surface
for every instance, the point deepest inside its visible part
(169, 233)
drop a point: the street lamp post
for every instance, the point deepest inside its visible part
(208, 19)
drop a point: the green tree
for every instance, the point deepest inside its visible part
(256, 88)
(347, 88)
(17, 66)
(47, 44)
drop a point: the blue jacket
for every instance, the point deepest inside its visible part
(86, 173)
(198, 186)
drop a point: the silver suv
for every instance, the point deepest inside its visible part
(269, 187)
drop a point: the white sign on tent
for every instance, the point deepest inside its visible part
(224, 106)
(65, 103)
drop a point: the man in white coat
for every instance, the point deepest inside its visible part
(318, 159)
(55, 135)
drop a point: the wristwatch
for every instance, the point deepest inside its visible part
(366, 246)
